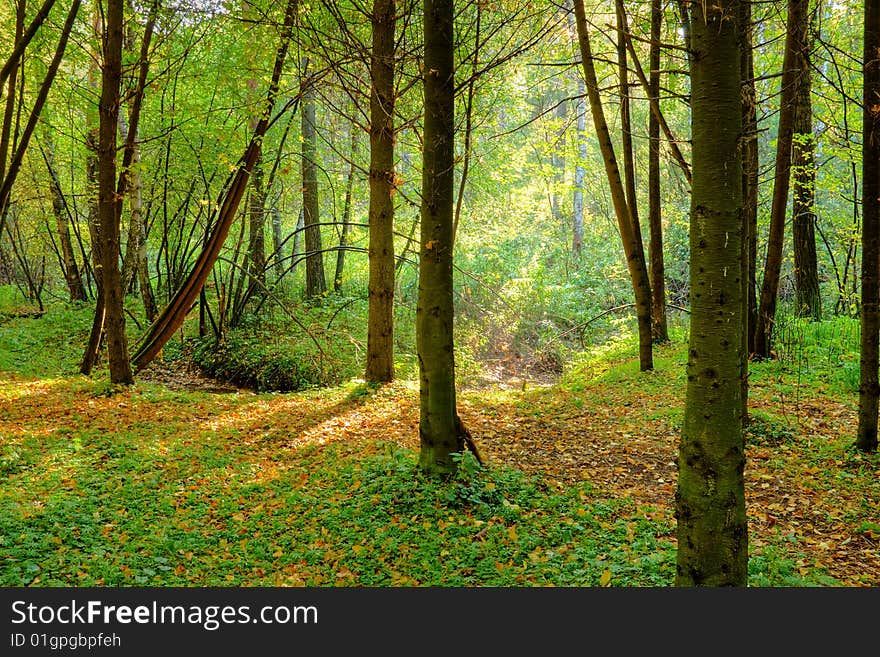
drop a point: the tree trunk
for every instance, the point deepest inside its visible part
(316, 285)
(75, 287)
(750, 197)
(114, 295)
(174, 314)
(257, 228)
(580, 108)
(638, 269)
(438, 427)
(659, 330)
(346, 215)
(795, 43)
(869, 388)
(92, 119)
(710, 501)
(277, 244)
(380, 322)
(803, 216)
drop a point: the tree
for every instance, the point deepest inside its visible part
(316, 284)
(635, 258)
(657, 271)
(808, 300)
(869, 388)
(380, 322)
(440, 432)
(108, 201)
(710, 500)
(795, 45)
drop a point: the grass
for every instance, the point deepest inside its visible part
(154, 487)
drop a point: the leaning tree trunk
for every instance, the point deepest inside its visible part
(869, 388)
(316, 285)
(795, 43)
(803, 215)
(659, 330)
(710, 500)
(439, 433)
(638, 269)
(380, 317)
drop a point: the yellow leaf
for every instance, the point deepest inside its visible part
(605, 579)
(511, 532)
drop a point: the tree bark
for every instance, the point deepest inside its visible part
(439, 436)
(638, 269)
(316, 284)
(710, 500)
(346, 215)
(75, 287)
(808, 300)
(108, 216)
(380, 321)
(659, 329)
(869, 388)
(795, 43)
(750, 196)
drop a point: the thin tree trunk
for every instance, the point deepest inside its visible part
(638, 269)
(346, 215)
(96, 334)
(710, 501)
(277, 244)
(175, 312)
(380, 321)
(869, 388)
(8, 177)
(808, 300)
(795, 42)
(659, 330)
(114, 295)
(750, 196)
(316, 285)
(439, 433)
(9, 112)
(75, 287)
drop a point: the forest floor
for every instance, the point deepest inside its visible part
(145, 468)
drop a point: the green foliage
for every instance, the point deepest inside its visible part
(45, 345)
(823, 352)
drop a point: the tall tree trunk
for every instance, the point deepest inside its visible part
(750, 196)
(108, 216)
(9, 111)
(795, 43)
(869, 388)
(439, 433)
(92, 119)
(659, 330)
(316, 285)
(710, 501)
(803, 215)
(638, 269)
(580, 108)
(75, 287)
(380, 322)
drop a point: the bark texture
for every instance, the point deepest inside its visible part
(380, 320)
(710, 499)
(439, 433)
(869, 388)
